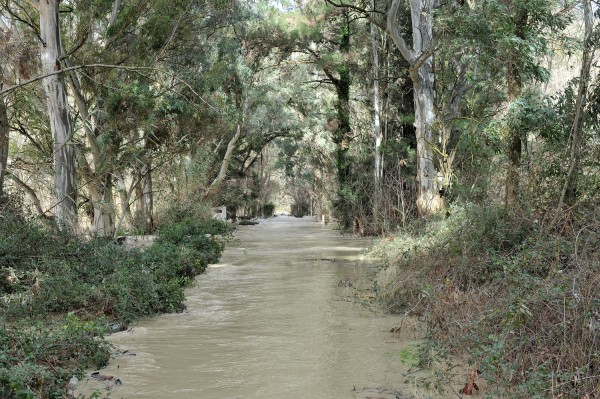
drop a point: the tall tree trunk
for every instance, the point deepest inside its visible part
(515, 146)
(3, 144)
(140, 209)
(580, 102)
(343, 132)
(514, 142)
(429, 200)
(376, 118)
(104, 209)
(148, 197)
(124, 198)
(58, 111)
(376, 101)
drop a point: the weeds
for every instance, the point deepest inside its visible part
(521, 304)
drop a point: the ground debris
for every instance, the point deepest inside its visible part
(468, 388)
(126, 352)
(378, 393)
(109, 379)
(346, 283)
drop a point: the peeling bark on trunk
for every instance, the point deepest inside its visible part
(148, 197)
(104, 210)
(429, 200)
(3, 144)
(58, 111)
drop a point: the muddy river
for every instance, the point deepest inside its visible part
(277, 318)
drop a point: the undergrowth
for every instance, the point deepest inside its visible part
(520, 304)
(60, 295)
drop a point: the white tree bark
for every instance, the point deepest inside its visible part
(3, 144)
(58, 111)
(376, 100)
(224, 164)
(429, 200)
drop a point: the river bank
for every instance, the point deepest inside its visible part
(277, 317)
(60, 295)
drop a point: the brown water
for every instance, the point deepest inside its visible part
(276, 319)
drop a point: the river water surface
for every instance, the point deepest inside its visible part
(277, 318)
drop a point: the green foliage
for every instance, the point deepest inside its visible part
(44, 273)
(37, 359)
(268, 210)
(491, 284)
(202, 239)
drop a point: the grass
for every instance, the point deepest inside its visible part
(520, 304)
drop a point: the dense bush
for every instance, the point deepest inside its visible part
(37, 360)
(268, 210)
(520, 304)
(45, 275)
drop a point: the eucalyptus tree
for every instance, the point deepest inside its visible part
(4, 127)
(129, 114)
(519, 33)
(4, 137)
(65, 186)
(577, 134)
(432, 111)
(324, 34)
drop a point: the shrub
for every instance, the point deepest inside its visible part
(37, 360)
(58, 294)
(518, 303)
(268, 210)
(202, 239)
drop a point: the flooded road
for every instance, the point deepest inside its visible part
(275, 319)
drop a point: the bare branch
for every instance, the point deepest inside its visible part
(225, 164)
(406, 52)
(36, 201)
(108, 66)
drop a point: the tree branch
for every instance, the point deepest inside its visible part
(406, 52)
(36, 201)
(361, 10)
(33, 4)
(225, 164)
(107, 66)
(114, 14)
